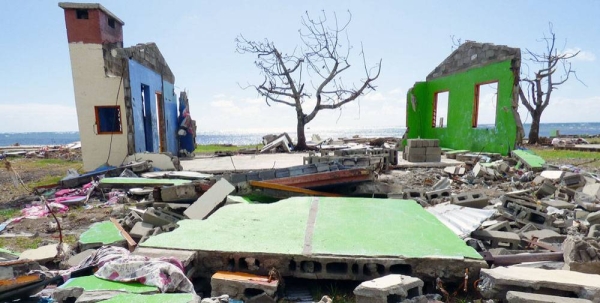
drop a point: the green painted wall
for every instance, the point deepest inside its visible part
(459, 133)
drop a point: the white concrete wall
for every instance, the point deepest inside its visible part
(93, 88)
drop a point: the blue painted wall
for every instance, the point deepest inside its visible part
(170, 108)
(138, 75)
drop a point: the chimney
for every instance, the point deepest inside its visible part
(92, 23)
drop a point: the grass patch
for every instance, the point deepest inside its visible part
(6, 214)
(212, 148)
(20, 244)
(573, 157)
(47, 180)
(70, 239)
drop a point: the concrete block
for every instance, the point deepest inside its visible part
(538, 180)
(454, 170)
(525, 297)
(413, 193)
(211, 200)
(558, 204)
(414, 143)
(417, 151)
(593, 218)
(573, 180)
(500, 226)
(390, 288)
(437, 194)
(158, 218)
(592, 190)
(130, 219)
(433, 151)
(141, 229)
(594, 231)
(553, 175)
(416, 158)
(179, 193)
(581, 255)
(76, 259)
(546, 189)
(498, 238)
(545, 235)
(433, 158)
(495, 283)
(471, 199)
(236, 285)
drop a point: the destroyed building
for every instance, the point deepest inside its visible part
(476, 80)
(125, 97)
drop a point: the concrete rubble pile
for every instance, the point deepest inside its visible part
(529, 232)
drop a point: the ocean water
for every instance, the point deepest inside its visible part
(247, 138)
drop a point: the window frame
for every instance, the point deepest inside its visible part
(119, 118)
(82, 14)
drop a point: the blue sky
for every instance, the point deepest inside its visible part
(197, 40)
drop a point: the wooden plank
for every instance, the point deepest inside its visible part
(130, 242)
(326, 178)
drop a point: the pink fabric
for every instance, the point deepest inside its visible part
(117, 264)
(41, 211)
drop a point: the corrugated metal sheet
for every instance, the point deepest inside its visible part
(461, 220)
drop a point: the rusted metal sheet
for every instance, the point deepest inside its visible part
(326, 178)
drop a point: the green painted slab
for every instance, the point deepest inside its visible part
(91, 283)
(102, 232)
(156, 298)
(530, 160)
(124, 182)
(342, 226)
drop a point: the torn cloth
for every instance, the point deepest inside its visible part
(117, 264)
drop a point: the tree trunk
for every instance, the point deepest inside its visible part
(301, 144)
(534, 132)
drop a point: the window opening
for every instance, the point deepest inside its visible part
(440, 109)
(108, 120)
(111, 22)
(82, 14)
(485, 105)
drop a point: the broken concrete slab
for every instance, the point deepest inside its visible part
(545, 235)
(593, 218)
(236, 284)
(180, 193)
(455, 170)
(210, 200)
(495, 283)
(128, 182)
(44, 253)
(101, 233)
(76, 259)
(148, 298)
(390, 288)
(331, 243)
(525, 297)
(93, 283)
(159, 217)
(530, 160)
(581, 255)
(160, 161)
(560, 204)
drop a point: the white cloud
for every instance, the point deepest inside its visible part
(582, 56)
(36, 117)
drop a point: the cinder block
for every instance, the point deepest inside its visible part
(546, 189)
(413, 193)
(158, 218)
(433, 151)
(416, 158)
(380, 289)
(433, 158)
(437, 194)
(417, 151)
(414, 143)
(184, 192)
(236, 285)
(141, 229)
(474, 199)
(498, 238)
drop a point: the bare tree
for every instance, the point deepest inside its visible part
(535, 91)
(322, 57)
